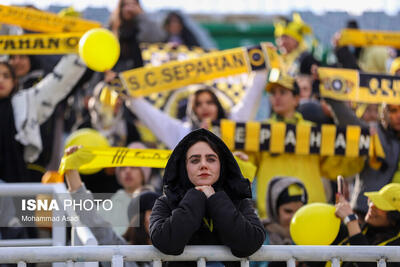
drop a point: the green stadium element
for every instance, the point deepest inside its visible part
(230, 35)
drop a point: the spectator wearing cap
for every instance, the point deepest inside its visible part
(289, 36)
(132, 179)
(285, 196)
(284, 98)
(382, 226)
(375, 174)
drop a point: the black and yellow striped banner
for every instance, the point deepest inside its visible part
(177, 74)
(361, 38)
(40, 21)
(40, 44)
(352, 85)
(301, 139)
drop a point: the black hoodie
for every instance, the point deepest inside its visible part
(178, 218)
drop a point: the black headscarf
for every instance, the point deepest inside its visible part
(176, 181)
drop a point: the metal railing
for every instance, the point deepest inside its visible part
(201, 254)
(81, 236)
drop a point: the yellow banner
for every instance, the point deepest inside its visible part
(359, 38)
(177, 74)
(351, 85)
(88, 158)
(40, 44)
(301, 139)
(40, 21)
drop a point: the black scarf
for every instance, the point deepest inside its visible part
(12, 164)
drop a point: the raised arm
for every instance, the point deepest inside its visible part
(343, 114)
(167, 129)
(101, 229)
(247, 107)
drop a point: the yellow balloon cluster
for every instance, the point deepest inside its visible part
(88, 138)
(315, 224)
(99, 49)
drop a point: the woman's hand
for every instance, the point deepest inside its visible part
(208, 190)
(343, 208)
(72, 177)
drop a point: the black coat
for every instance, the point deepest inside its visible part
(179, 217)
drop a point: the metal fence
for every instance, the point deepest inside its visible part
(81, 236)
(201, 254)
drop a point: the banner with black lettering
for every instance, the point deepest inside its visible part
(301, 139)
(40, 44)
(361, 38)
(147, 80)
(230, 89)
(352, 85)
(40, 21)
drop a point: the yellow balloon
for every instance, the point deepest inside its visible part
(315, 224)
(89, 138)
(99, 49)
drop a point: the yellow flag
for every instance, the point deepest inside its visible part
(360, 38)
(40, 21)
(40, 44)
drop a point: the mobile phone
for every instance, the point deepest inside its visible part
(340, 184)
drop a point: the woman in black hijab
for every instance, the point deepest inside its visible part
(206, 201)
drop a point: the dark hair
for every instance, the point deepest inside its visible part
(296, 89)
(13, 76)
(221, 112)
(137, 235)
(187, 36)
(116, 19)
(213, 146)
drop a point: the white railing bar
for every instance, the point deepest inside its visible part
(157, 263)
(193, 253)
(25, 189)
(382, 263)
(201, 262)
(26, 242)
(117, 261)
(335, 262)
(244, 263)
(291, 262)
(21, 264)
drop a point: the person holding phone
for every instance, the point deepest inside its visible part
(382, 221)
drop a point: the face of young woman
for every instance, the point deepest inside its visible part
(286, 212)
(205, 108)
(6, 82)
(376, 217)
(21, 65)
(130, 9)
(131, 178)
(174, 27)
(283, 101)
(202, 164)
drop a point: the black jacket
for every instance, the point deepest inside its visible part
(179, 217)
